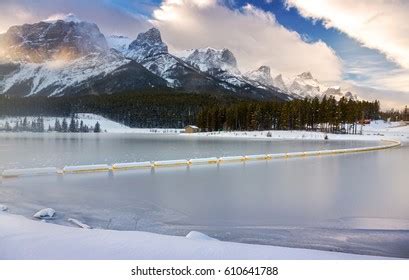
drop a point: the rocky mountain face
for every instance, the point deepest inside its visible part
(262, 75)
(302, 86)
(39, 42)
(69, 56)
(147, 45)
(55, 58)
(206, 70)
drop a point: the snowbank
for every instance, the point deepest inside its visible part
(21, 238)
(3, 207)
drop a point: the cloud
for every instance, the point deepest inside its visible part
(253, 35)
(111, 19)
(377, 24)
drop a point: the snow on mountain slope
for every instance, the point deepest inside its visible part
(302, 86)
(149, 50)
(209, 58)
(205, 70)
(222, 65)
(280, 83)
(54, 77)
(64, 55)
(261, 75)
(305, 85)
(146, 45)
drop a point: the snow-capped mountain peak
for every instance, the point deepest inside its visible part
(280, 83)
(261, 75)
(147, 44)
(209, 59)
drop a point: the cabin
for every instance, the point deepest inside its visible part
(192, 129)
(364, 122)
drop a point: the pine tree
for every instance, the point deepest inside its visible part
(57, 126)
(16, 127)
(77, 126)
(25, 124)
(34, 126)
(72, 125)
(64, 127)
(40, 125)
(97, 128)
(7, 126)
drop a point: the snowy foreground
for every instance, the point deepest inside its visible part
(21, 238)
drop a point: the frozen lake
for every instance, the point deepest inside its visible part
(23, 150)
(352, 203)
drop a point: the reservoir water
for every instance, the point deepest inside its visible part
(354, 203)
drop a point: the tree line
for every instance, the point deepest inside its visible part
(144, 109)
(172, 109)
(396, 115)
(326, 114)
(37, 125)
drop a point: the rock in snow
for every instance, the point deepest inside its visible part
(3, 207)
(195, 235)
(46, 213)
(78, 223)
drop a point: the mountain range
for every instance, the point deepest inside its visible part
(72, 57)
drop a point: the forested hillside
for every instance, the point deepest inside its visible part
(174, 109)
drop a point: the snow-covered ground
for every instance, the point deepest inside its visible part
(21, 238)
(377, 130)
(90, 120)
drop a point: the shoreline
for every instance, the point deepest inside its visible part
(22, 238)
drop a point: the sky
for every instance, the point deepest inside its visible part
(362, 45)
